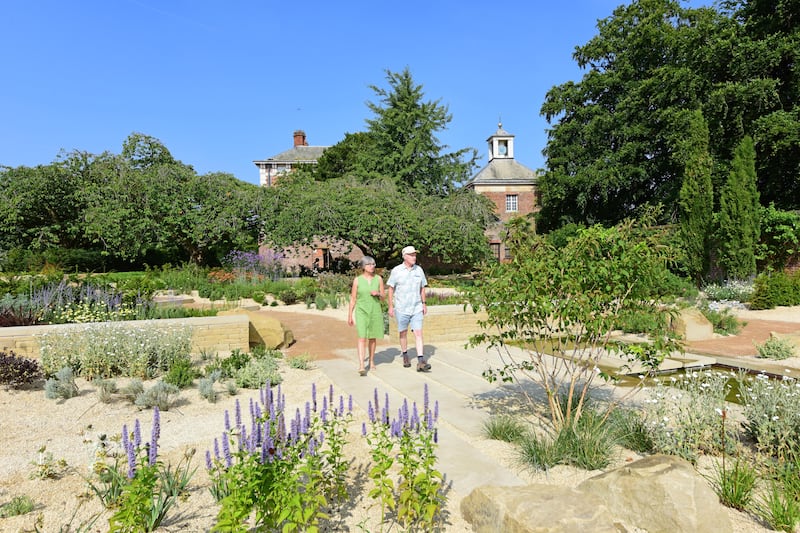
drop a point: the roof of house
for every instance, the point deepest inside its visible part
(297, 153)
(504, 172)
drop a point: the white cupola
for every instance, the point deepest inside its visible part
(501, 144)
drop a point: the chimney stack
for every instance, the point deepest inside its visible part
(300, 138)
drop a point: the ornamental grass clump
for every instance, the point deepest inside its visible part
(278, 470)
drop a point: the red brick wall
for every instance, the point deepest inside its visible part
(526, 203)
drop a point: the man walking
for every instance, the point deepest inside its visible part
(407, 284)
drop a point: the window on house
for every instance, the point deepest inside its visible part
(495, 246)
(507, 253)
(511, 203)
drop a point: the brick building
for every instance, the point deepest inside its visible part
(511, 186)
(325, 251)
(270, 169)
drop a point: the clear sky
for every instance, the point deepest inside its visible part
(222, 84)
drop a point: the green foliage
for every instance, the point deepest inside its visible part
(771, 289)
(300, 362)
(588, 443)
(739, 217)
(17, 371)
(723, 321)
(619, 136)
(257, 373)
(18, 505)
(775, 348)
(505, 428)
(62, 385)
(132, 390)
(45, 466)
(780, 237)
(630, 429)
(565, 302)
(181, 372)
(696, 197)
(735, 484)
(402, 143)
(206, 386)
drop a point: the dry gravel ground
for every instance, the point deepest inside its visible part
(69, 429)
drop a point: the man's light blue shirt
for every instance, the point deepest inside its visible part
(407, 284)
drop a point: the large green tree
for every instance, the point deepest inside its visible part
(739, 217)
(696, 199)
(402, 143)
(614, 145)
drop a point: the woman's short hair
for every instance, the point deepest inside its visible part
(367, 260)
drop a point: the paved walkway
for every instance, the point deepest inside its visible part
(456, 382)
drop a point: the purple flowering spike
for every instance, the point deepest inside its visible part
(363, 429)
(330, 394)
(371, 412)
(216, 449)
(253, 407)
(137, 434)
(429, 420)
(308, 410)
(156, 433)
(242, 439)
(324, 403)
(280, 398)
(341, 405)
(403, 414)
(436, 411)
(425, 399)
(436, 435)
(262, 395)
(227, 417)
(350, 403)
(377, 404)
(209, 463)
(314, 395)
(386, 402)
(125, 437)
(226, 450)
(131, 452)
(238, 413)
(324, 416)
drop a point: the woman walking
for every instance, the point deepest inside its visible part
(365, 299)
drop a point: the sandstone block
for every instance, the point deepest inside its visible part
(655, 494)
(263, 329)
(691, 325)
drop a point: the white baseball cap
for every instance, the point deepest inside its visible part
(409, 250)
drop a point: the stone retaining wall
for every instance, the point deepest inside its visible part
(209, 334)
(446, 323)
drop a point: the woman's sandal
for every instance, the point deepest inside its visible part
(362, 372)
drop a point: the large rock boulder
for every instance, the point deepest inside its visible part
(655, 494)
(690, 324)
(264, 330)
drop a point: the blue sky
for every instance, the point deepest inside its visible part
(224, 83)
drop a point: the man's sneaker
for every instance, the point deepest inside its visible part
(423, 366)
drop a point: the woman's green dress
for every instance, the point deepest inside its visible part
(369, 315)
